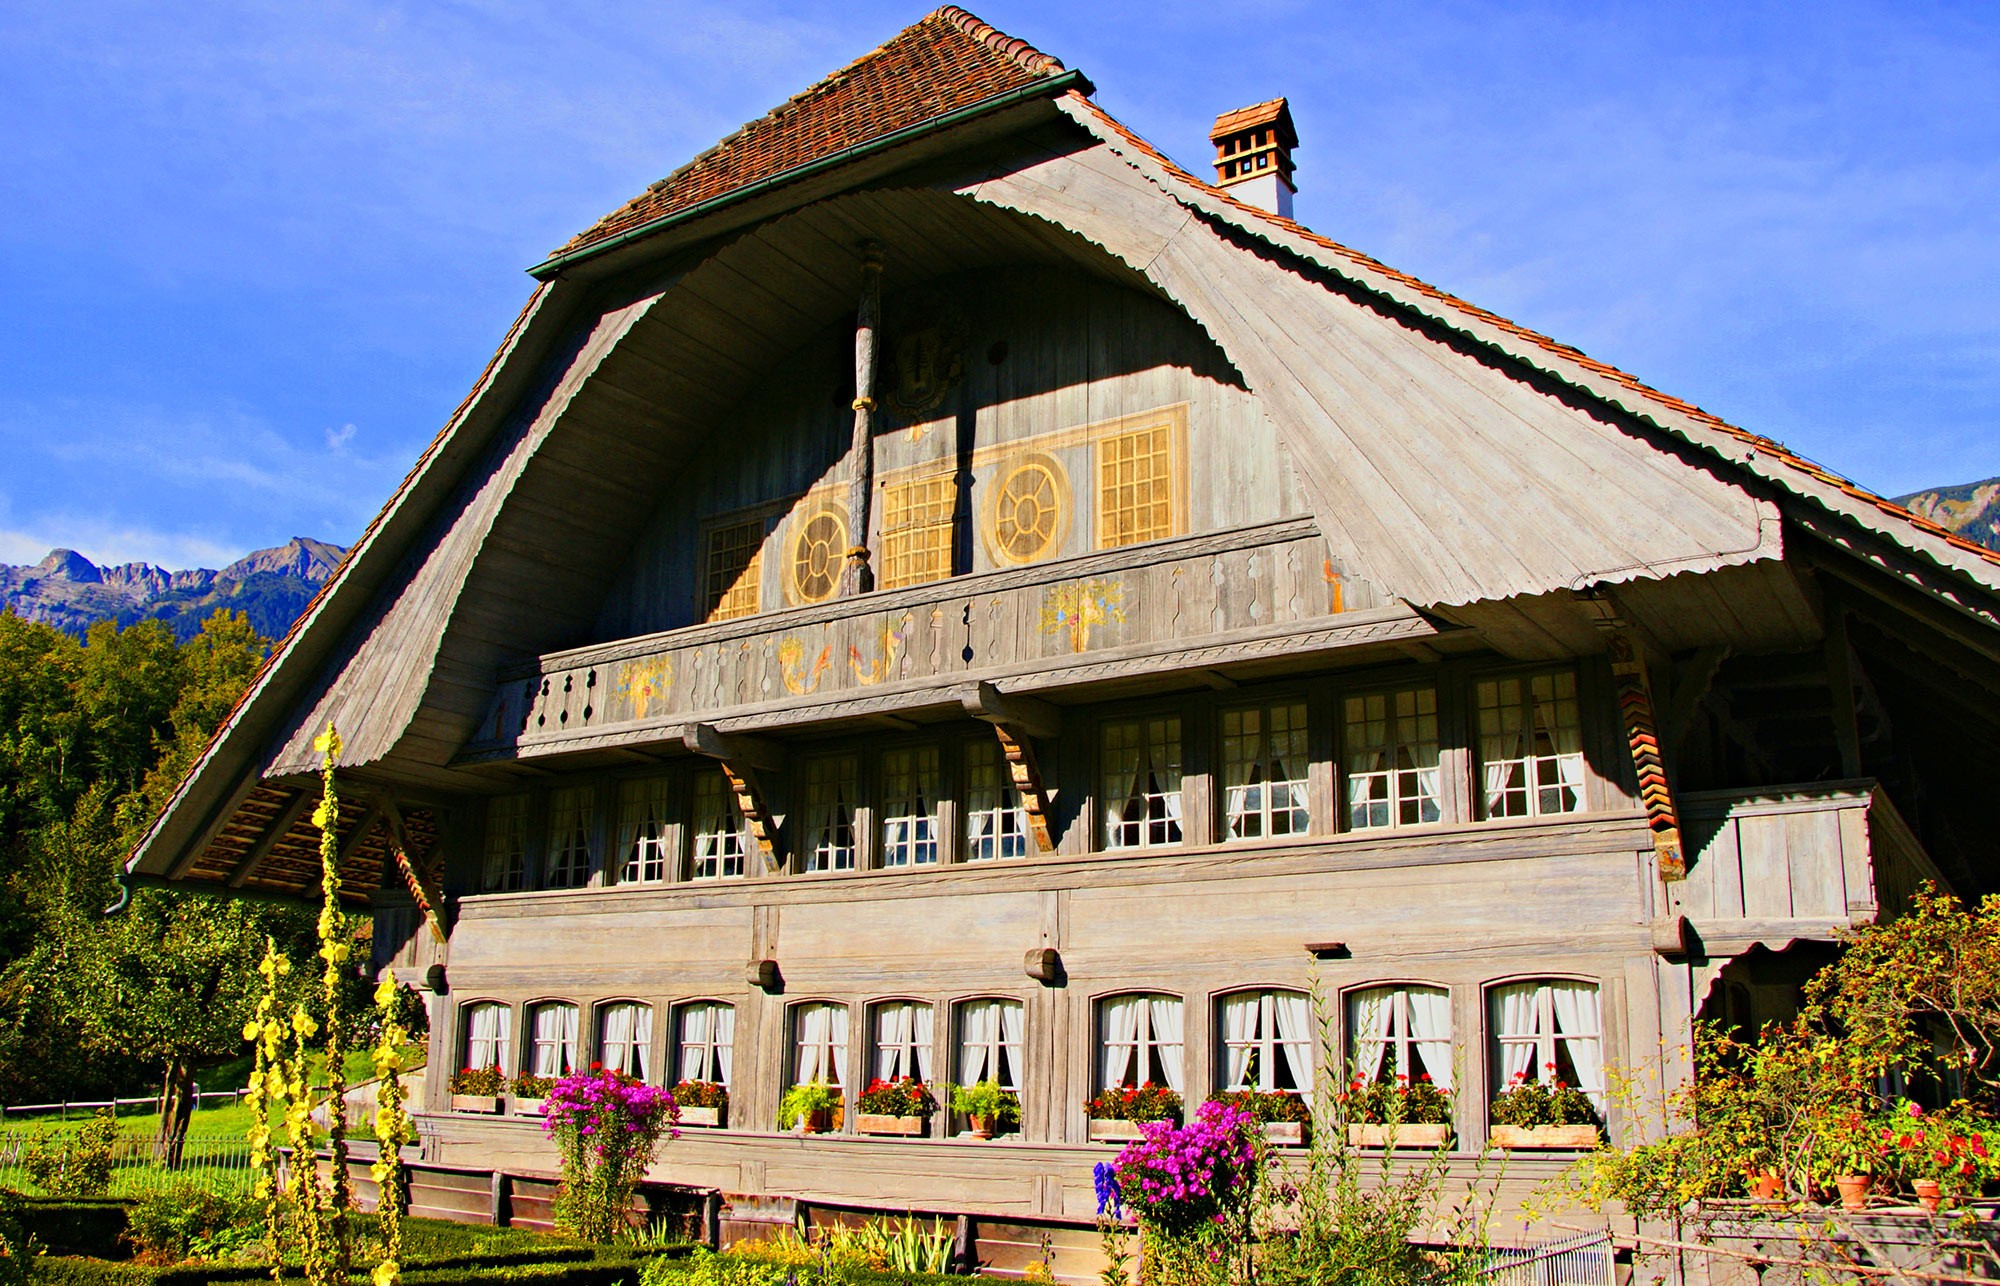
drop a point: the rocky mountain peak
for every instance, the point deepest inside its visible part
(66, 564)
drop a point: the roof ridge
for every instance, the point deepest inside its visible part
(1756, 441)
(1029, 57)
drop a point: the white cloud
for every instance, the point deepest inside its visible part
(108, 545)
(337, 439)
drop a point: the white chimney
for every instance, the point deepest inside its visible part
(1253, 155)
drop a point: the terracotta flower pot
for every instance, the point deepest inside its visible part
(1764, 1186)
(980, 1127)
(818, 1121)
(1930, 1194)
(1853, 1190)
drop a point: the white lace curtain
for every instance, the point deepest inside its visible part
(822, 1050)
(554, 1040)
(625, 1038)
(1430, 1031)
(1164, 1016)
(486, 1036)
(903, 1041)
(1372, 1019)
(1295, 1035)
(1239, 1038)
(1274, 1024)
(708, 1042)
(1536, 1020)
(990, 1042)
(1579, 1025)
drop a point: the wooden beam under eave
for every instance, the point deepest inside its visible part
(280, 826)
(1029, 716)
(429, 900)
(224, 813)
(1026, 775)
(740, 759)
(359, 835)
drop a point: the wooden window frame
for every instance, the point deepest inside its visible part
(1302, 785)
(1000, 815)
(1145, 1048)
(1531, 788)
(742, 596)
(600, 1014)
(532, 1043)
(918, 550)
(505, 1040)
(1267, 1045)
(1432, 680)
(811, 853)
(665, 846)
(915, 844)
(514, 866)
(1171, 477)
(1182, 715)
(681, 1044)
(729, 847)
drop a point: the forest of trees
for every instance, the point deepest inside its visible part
(94, 736)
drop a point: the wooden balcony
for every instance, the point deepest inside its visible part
(1792, 864)
(1253, 600)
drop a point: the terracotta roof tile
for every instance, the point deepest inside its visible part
(948, 61)
(1776, 450)
(1249, 117)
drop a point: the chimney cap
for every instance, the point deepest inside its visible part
(1276, 113)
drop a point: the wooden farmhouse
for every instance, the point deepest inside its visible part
(933, 588)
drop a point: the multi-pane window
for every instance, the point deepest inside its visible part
(916, 530)
(1142, 783)
(1391, 744)
(707, 1041)
(487, 1028)
(1400, 1031)
(720, 840)
(572, 829)
(1264, 771)
(552, 1039)
(989, 1042)
(819, 550)
(830, 795)
(506, 863)
(625, 1037)
(1267, 1040)
(1139, 1041)
(1548, 1030)
(1135, 487)
(735, 571)
(819, 1043)
(643, 836)
(902, 1040)
(1530, 745)
(909, 806)
(995, 823)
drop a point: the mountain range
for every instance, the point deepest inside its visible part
(70, 592)
(1971, 510)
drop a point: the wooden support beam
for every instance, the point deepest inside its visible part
(359, 835)
(428, 899)
(298, 806)
(1027, 715)
(734, 748)
(220, 818)
(1840, 683)
(1642, 737)
(1026, 775)
(750, 802)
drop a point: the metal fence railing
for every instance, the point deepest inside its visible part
(1588, 1259)
(148, 1103)
(220, 1163)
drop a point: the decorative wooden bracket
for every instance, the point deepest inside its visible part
(1635, 708)
(426, 895)
(1015, 720)
(740, 759)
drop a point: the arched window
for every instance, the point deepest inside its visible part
(488, 1025)
(1139, 1041)
(552, 1039)
(707, 1041)
(1266, 1041)
(903, 1031)
(1400, 1031)
(625, 1037)
(819, 1043)
(1548, 1029)
(989, 1042)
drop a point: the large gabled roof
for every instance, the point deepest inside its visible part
(948, 62)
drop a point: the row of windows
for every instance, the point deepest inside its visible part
(1529, 763)
(1026, 520)
(1263, 1039)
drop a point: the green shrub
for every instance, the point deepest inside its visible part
(187, 1221)
(75, 1164)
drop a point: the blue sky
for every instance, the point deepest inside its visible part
(252, 254)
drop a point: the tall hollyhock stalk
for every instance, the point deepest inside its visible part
(270, 1075)
(392, 1128)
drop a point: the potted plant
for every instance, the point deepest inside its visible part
(902, 1106)
(1850, 1146)
(808, 1107)
(476, 1089)
(986, 1105)
(704, 1104)
(1941, 1155)
(528, 1092)
(1117, 1113)
(1284, 1117)
(1537, 1114)
(1397, 1113)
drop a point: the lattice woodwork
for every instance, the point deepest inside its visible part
(735, 570)
(1031, 511)
(1135, 487)
(818, 550)
(916, 530)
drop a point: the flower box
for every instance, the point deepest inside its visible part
(1428, 1137)
(528, 1106)
(1115, 1131)
(705, 1118)
(475, 1103)
(1285, 1134)
(1574, 1137)
(877, 1123)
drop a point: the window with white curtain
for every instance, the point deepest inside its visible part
(551, 1039)
(903, 1032)
(707, 1041)
(1139, 1040)
(1390, 741)
(1141, 759)
(1400, 1031)
(1549, 1030)
(909, 806)
(506, 861)
(1530, 745)
(831, 792)
(996, 825)
(720, 839)
(488, 1026)
(989, 1042)
(1264, 771)
(625, 1038)
(642, 831)
(819, 1043)
(1267, 1041)
(572, 822)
